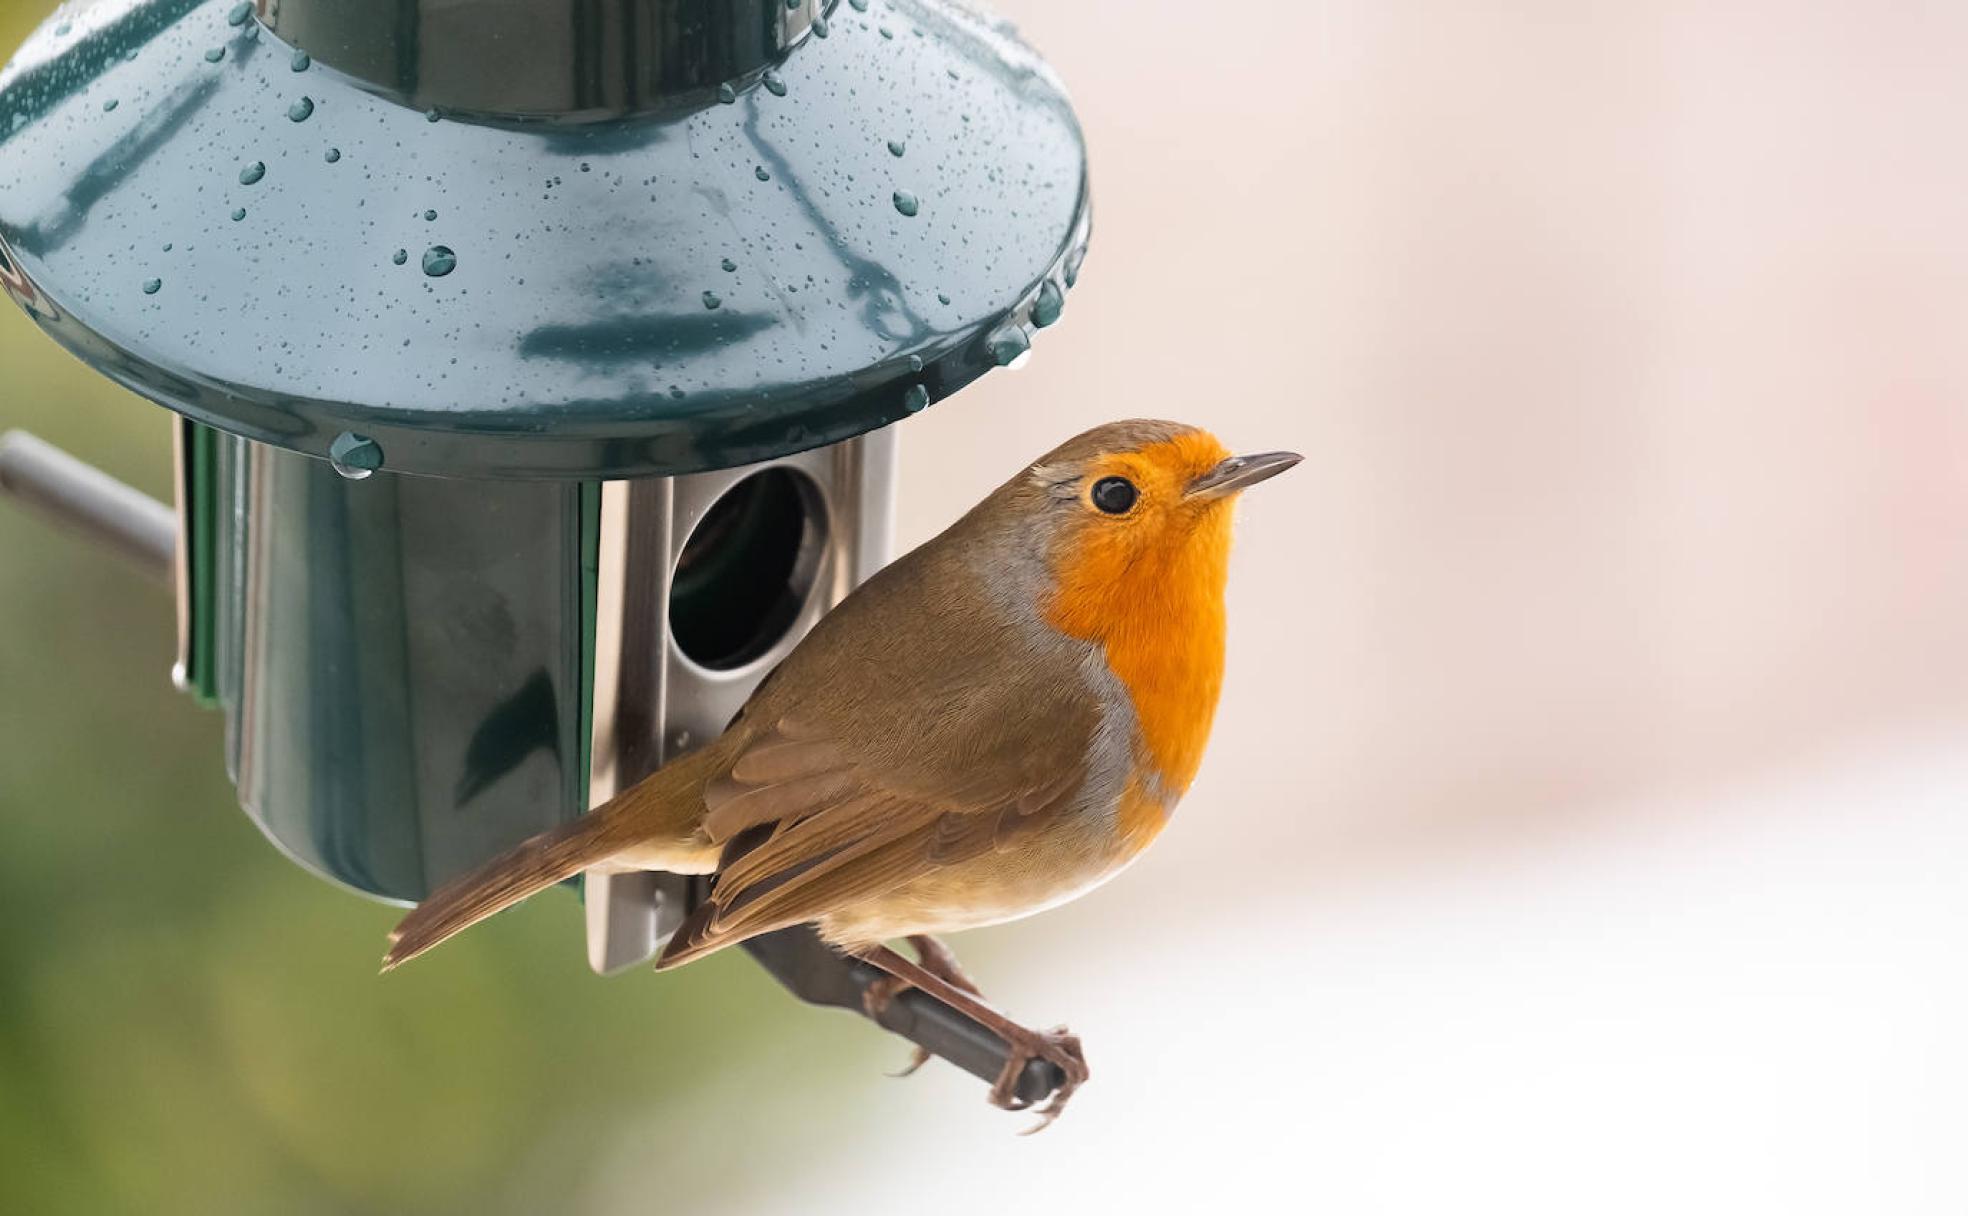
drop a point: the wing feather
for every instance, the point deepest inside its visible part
(855, 848)
(890, 744)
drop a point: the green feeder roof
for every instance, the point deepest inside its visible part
(538, 238)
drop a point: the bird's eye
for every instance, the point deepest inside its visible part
(1114, 495)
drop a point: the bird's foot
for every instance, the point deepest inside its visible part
(938, 976)
(1057, 1047)
(876, 996)
(918, 1056)
(934, 957)
(937, 959)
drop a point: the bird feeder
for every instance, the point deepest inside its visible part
(534, 364)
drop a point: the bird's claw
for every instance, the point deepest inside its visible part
(876, 996)
(917, 1058)
(1057, 1047)
(875, 999)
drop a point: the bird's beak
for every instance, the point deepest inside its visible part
(1240, 473)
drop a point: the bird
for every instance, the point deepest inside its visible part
(993, 724)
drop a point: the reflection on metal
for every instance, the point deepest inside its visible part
(651, 701)
(180, 566)
(592, 185)
(48, 71)
(400, 661)
(544, 60)
(199, 453)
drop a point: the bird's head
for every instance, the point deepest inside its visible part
(1135, 516)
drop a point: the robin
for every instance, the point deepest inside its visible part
(996, 723)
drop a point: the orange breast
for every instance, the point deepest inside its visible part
(1150, 591)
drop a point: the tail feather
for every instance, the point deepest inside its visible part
(655, 824)
(531, 866)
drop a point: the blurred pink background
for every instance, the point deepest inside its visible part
(1625, 344)
(1583, 825)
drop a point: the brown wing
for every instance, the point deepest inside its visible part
(808, 831)
(920, 723)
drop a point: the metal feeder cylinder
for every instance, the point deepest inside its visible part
(535, 362)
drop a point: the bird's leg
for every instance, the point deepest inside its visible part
(1055, 1046)
(932, 956)
(937, 959)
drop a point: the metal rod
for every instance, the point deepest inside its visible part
(87, 500)
(816, 974)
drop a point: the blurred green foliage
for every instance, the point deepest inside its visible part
(189, 1023)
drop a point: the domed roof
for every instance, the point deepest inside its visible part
(586, 259)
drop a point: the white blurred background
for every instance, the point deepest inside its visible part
(1583, 827)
